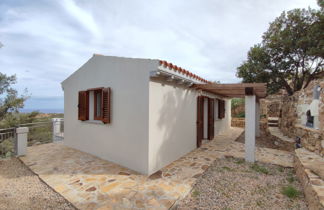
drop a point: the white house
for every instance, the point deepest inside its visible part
(140, 113)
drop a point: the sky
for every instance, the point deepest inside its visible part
(44, 41)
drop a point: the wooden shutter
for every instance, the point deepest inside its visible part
(211, 108)
(200, 120)
(221, 109)
(106, 105)
(83, 105)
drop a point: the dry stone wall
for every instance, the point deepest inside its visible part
(293, 117)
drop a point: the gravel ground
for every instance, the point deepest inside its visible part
(262, 141)
(231, 183)
(21, 189)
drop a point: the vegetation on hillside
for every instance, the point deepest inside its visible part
(291, 53)
(10, 103)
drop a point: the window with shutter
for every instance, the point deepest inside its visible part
(97, 95)
(83, 105)
(99, 106)
(106, 105)
(221, 109)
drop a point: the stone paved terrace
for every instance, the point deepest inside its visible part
(92, 183)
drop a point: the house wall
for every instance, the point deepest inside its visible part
(172, 122)
(125, 139)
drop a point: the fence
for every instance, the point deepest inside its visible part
(14, 141)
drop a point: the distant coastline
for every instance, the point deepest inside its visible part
(46, 111)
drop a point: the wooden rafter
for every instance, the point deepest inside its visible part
(235, 90)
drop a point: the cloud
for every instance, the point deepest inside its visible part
(45, 41)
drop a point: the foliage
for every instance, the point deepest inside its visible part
(291, 53)
(195, 193)
(237, 105)
(10, 102)
(236, 102)
(6, 148)
(240, 115)
(14, 119)
(259, 169)
(290, 191)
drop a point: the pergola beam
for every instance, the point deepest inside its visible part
(234, 90)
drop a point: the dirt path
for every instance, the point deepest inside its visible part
(231, 183)
(21, 189)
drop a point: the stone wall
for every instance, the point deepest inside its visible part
(238, 122)
(271, 106)
(293, 117)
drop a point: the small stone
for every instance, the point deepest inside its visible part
(207, 159)
(204, 167)
(108, 187)
(156, 175)
(111, 180)
(91, 189)
(196, 176)
(166, 175)
(123, 173)
(139, 204)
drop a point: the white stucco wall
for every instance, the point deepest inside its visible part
(222, 125)
(125, 139)
(172, 122)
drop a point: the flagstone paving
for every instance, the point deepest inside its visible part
(92, 183)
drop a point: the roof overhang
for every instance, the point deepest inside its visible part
(239, 90)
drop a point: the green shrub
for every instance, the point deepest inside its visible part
(291, 179)
(290, 191)
(240, 115)
(6, 148)
(195, 193)
(240, 161)
(259, 169)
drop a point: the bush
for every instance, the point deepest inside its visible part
(240, 115)
(6, 148)
(259, 169)
(290, 191)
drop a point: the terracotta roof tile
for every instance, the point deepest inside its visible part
(181, 70)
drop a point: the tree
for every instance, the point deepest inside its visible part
(10, 102)
(291, 53)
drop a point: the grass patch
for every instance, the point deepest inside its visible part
(227, 168)
(291, 179)
(240, 161)
(280, 169)
(259, 169)
(259, 203)
(195, 193)
(290, 191)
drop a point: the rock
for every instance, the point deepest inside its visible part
(91, 189)
(123, 173)
(156, 175)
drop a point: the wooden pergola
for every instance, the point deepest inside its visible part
(252, 92)
(239, 90)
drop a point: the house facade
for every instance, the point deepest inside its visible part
(140, 113)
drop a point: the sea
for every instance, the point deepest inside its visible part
(46, 111)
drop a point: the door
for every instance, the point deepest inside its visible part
(211, 114)
(200, 120)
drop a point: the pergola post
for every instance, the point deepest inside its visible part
(257, 119)
(250, 127)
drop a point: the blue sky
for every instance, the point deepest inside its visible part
(47, 40)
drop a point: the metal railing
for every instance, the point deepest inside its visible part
(7, 142)
(37, 133)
